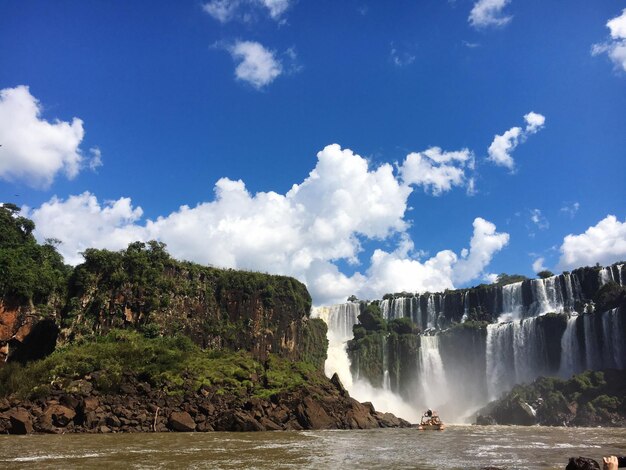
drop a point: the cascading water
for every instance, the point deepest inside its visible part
(571, 360)
(340, 320)
(512, 304)
(432, 373)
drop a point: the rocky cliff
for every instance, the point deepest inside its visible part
(143, 288)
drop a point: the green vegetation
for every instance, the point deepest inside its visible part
(371, 318)
(469, 325)
(609, 296)
(29, 273)
(545, 274)
(505, 279)
(592, 397)
(173, 364)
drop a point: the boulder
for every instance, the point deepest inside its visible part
(311, 415)
(57, 415)
(233, 420)
(181, 421)
(21, 422)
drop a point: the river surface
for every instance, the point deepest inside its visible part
(457, 447)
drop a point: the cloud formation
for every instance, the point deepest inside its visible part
(570, 209)
(503, 145)
(540, 221)
(538, 265)
(438, 171)
(615, 47)
(302, 233)
(486, 13)
(34, 150)
(243, 10)
(603, 243)
(256, 65)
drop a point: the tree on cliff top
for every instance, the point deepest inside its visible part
(29, 272)
(504, 279)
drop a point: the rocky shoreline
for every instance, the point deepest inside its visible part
(79, 408)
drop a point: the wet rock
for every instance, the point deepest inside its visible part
(70, 401)
(181, 421)
(21, 422)
(338, 385)
(311, 415)
(270, 425)
(90, 404)
(485, 420)
(57, 415)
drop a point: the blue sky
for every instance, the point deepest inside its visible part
(173, 97)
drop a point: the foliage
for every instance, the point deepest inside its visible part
(597, 395)
(371, 318)
(403, 326)
(504, 279)
(29, 272)
(609, 296)
(353, 298)
(172, 364)
(315, 343)
(545, 274)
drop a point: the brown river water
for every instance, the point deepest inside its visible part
(457, 447)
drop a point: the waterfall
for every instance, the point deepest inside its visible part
(571, 362)
(547, 296)
(606, 275)
(431, 312)
(465, 307)
(435, 390)
(340, 320)
(512, 304)
(384, 308)
(515, 354)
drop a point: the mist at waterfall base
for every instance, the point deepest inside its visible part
(521, 344)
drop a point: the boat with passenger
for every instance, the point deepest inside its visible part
(431, 422)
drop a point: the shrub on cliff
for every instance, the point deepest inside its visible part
(371, 318)
(403, 326)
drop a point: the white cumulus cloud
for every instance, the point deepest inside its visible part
(256, 65)
(35, 150)
(503, 145)
(80, 222)
(489, 13)
(485, 243)
(302, 233)
(438, 171)
(538, 265)
(615, 47)
(603, 243)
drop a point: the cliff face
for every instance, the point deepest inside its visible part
(25, 335)
(217, 309)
